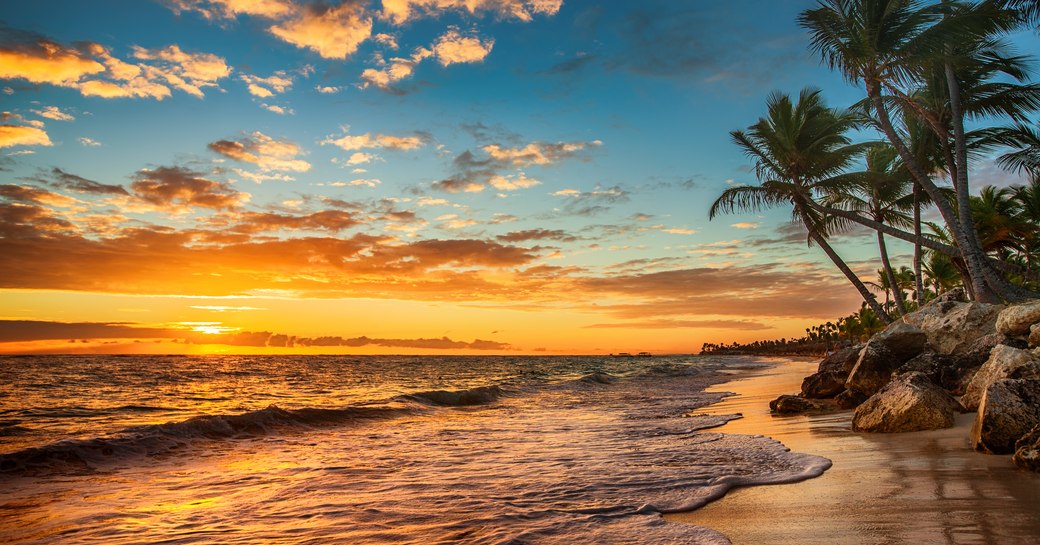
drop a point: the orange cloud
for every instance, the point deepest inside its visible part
(334, 32)
(39, 60)
(325, 220)
(368, 141)
(92, 70)
(182, 188)
(263, 151)
(17, 135)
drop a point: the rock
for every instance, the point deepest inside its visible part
(1016, 320)
(883, 354)
(841, 360)
(1027, 450)
(824, 384)
(1034, 336)
(952, 326)
(912, 402)
(1009, 409)
(791, 404)
(849, 399)
(929, 363)
(1002, 363)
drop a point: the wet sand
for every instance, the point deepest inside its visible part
(913, 488)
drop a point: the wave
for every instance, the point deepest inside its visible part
(445, 398)
(157, 439)
(598, 378)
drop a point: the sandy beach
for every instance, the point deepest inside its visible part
(916, 488)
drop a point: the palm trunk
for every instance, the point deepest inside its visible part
(918, 280)
(851, 276)
(975, 274)
(896, 291)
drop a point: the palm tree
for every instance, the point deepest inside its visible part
(941, 273)
(884, 192)
(796, 148)
(888, 46)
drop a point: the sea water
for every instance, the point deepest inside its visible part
(388, 450)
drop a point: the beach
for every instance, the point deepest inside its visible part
(923, 487)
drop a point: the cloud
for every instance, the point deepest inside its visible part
(54, 113)
(279, 82)
(454, 47)
(91, 68)
(538, 153)
(274, 108)
(38, 330)
(89, 142)
(28, 56)
(18, 135)
(401, 11)
(230, 9)
(66, 180)
(361, 158)
(368, 141)
(264, 151)
(537, 234)
(183, 188)
(333, 32)
(474, 173)
(739, 325)
(451, 48)
(746, 225)
(35, 195)
(325, 220)
(590, 203)
(327, 89)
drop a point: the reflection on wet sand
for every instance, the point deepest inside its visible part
(925, 487)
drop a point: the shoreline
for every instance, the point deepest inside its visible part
(921, 487)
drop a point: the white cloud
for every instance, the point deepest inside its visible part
(54, 113)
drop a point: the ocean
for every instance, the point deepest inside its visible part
(374, 449)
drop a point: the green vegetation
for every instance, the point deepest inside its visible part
(941, 87)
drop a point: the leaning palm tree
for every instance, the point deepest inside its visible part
(796, 148)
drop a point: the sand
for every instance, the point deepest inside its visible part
(913, 488)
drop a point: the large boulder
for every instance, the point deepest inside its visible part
(1004, 362)
(883, 354)
(1015, 320)
(952, 325)
(911, 402)
(1027, 450)
(1009, 409)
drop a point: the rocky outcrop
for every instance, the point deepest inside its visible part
(953, 326)
(849, 399)
(1015, 320)
(1004, 362)
(1027, 450)
(883, 354)
(791, 404)
(1010, 408)
(912, 402)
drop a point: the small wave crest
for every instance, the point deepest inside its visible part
(158, 439)
(598, 378)
(474, 396)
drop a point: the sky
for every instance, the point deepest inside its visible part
(399, 176)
